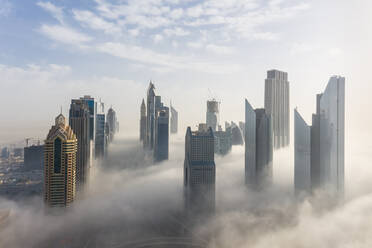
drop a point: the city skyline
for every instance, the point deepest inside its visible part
(199, 123)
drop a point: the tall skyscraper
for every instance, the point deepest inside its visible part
(150, 122)
(302, 146)
(199, 171)
(173, 120)
(258, 147)
(161, 148)
(327, 138)
(111, 122)
(79, 120)
(277, 105)
(100, 130)
(92, 115)
(143, 121)
(213, 111)
(60, 164)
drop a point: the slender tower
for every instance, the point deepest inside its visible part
(143, 121)
(277, 105)
(60, 164)
(150, 122)
(199, 171)
(173, 120)
(79, 121)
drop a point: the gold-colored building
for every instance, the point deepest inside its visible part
(60, 164)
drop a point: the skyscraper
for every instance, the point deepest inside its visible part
(327, 138)
(100, 130)
(258, 147)
(111, 123)
(199, 171)
(173, 120)
(302, 146)
(143, 121)
(277, 105)
(213, 110)
(79, 120)
(92, 115)
(34, 157)
(60, 164)
(150, 122)
(161, 147)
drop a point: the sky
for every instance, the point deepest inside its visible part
(53, 51)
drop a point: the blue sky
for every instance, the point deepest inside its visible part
(52, 51)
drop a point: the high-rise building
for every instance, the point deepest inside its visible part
(79, 121)
(277, 105)
(302, 146)
(92, 115)
(327, 138)
(161, 147)
(199, 171)
(111, 122)
(150, 122)
(60, 164)
(5, 153)
(258, 147)
(34, 157)
(213, 110)
(223, 141)
(100, 130)
(242, 127)
(236, 135)
(173, 120)
(143, 121)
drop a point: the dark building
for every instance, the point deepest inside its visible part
(100, 136)
(150, 122)
(34, 158)
(112, 124)
(79, 121)
(258, 147)
(92, 115)
(199, 171)
(143, 121)
(236, 135)
(161, 148)
(5, 153)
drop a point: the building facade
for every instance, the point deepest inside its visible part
(277, 105)
(199, 171)
(173, 120)
(79, 121)
(143, 121)
(302, 159)
(213, 112)
(60, 164)
(258, 147)
(150, 122)
(34, 157)
(161, 148)
(327, 140)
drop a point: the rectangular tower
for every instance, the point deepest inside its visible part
(174, 120)
(79, 120)
(199, 171)
(302, 154)
(258, 147)
(161, 148)
(213, 109)
(60, 164)
(277, 105)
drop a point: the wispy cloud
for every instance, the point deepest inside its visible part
(55, 11)
(64, 34)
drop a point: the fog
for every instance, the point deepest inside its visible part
(131, 202)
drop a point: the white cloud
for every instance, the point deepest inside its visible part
(223, 50)
(195, 45)
(146, 56)
(56, 12)
(134, 32)
(95, 22)
(158, 38)
(268, 36)
(64, 34)
(176, 32)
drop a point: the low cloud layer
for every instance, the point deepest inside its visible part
(130, 201)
